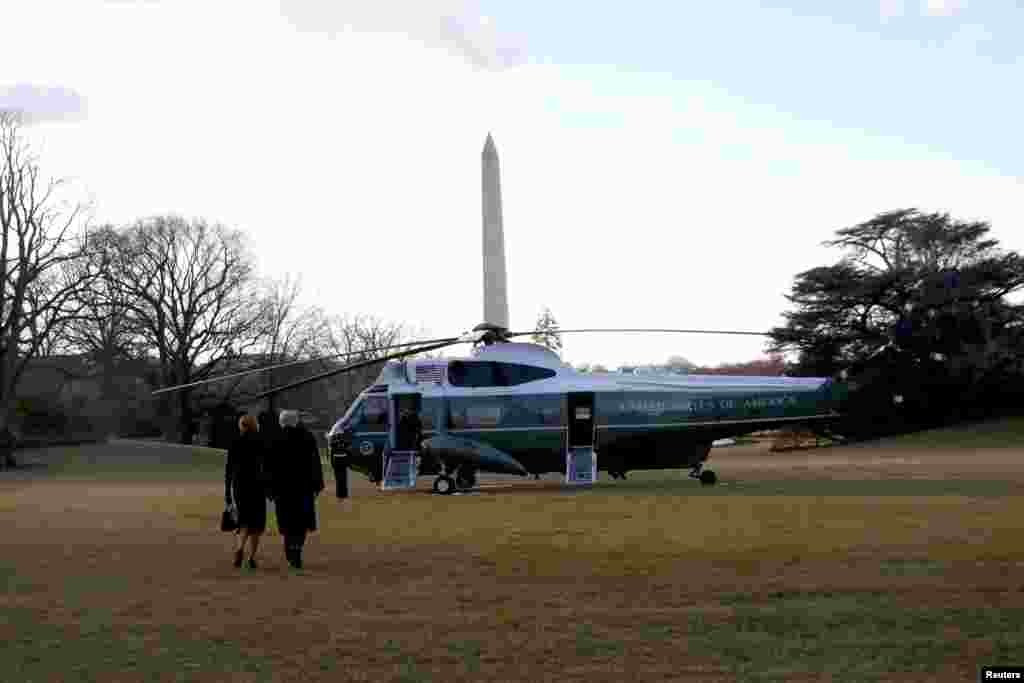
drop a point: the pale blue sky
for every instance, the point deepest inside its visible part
(953, 84)
(663, 164)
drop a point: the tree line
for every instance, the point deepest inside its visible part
(916, 319)
(170, 299)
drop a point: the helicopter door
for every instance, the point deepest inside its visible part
(580, 459)
(401, 461)
(581, 419)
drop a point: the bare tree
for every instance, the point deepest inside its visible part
(358, 334)
(105, 333)
(40, 241)
(355, 336)
(191, 293)
(288, 331)
(285, 332)
(51, 325)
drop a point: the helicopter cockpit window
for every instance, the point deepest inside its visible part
(375, 414)
(350, 418)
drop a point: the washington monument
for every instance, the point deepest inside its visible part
(495, 283)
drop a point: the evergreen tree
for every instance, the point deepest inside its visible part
(547, 331)
(916, 307)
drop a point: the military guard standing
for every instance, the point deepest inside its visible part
(339, 463)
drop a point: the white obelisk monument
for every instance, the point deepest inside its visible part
(495, 283)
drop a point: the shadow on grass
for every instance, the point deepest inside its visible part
(588, 645)
(804, 487)
(469, 652)
(858, 636)
(125, 461)
(1000, 433)
(763, 637)
(98, 649)
(407, 671)
(14, 583)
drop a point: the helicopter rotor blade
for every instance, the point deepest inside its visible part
(353, 366)
(468, 337)
(243, 373)
(556, 331)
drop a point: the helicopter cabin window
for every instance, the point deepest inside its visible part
(472, 374)
(493, 374)
(512, 374)
(375, 414)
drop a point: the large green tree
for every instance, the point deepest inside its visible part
(917, 305)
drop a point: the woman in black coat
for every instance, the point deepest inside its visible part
(297, 479)
(245, 487)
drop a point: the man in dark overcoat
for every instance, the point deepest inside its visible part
(7, 445)
(297, 478)
(410, 431)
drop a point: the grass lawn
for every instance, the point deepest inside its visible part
(1003, 433)
(113, 570)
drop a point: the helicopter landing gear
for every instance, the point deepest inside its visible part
(465, 478)
(444, 485)
(450, 480)
(706, 477)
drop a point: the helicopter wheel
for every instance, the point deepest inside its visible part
(444, 485)
(465, 479)
(708, 478)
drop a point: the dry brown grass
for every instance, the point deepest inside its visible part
(797, 565)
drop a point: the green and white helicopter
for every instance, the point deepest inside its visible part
(516, 408)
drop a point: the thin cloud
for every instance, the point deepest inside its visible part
(942, 8)
(476, 39)
(892, 9)
(458, 26)
(889, 9)
(38, 103)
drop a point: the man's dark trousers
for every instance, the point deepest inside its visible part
(340, 476)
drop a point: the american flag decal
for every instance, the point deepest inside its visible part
(429, 374)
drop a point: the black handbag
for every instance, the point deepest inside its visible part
(228, 522)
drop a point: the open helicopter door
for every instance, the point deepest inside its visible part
(401, 458)
(580, 457)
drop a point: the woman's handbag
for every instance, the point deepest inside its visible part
(229, 520)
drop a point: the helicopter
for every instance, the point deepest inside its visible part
(516, 408)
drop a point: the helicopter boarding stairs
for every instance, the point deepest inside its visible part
(581, 465)
(580, 456)
(401, 469)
